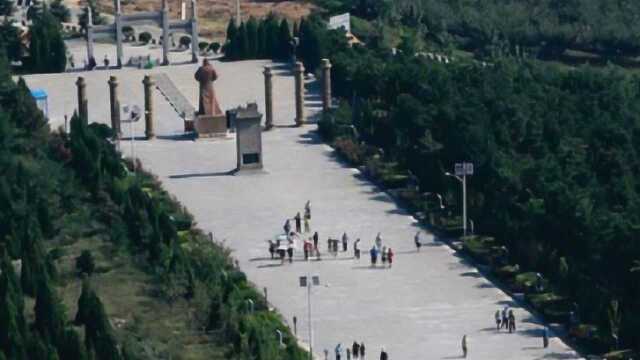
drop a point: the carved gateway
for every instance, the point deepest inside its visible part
(161, 17)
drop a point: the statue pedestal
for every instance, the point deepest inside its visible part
(211, 125)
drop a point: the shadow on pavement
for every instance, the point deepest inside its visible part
(473, 274)
(196, 175)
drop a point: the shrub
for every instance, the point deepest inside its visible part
(85, 264)
(203, 46)
(215, 47)
(185, 41)
(350, 150)
(144, 37)
(129, 33)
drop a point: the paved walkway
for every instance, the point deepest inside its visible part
(419, 309)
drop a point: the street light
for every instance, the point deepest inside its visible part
(308, 281)
(463, 169)
(437, 196)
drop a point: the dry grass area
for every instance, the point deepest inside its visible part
(214, 14)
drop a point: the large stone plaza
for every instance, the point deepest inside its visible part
(419, 309)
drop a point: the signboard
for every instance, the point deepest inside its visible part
(303, 281)
(340, 21)
(315, 280)
(130, 113)
(463, 169)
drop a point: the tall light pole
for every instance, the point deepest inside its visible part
(461, 172)
(308, 281)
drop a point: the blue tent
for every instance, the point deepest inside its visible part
(41, 97)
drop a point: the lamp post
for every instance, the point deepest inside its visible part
(461, 171)
(308, 281)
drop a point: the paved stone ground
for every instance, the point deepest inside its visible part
(419, 309)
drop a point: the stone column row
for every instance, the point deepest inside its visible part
(83, 108)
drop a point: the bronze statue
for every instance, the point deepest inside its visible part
(206, 75)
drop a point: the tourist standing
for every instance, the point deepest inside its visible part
(307, 228)
(307, 210)
(362, 350)
(416, 239)
(348, 353)
(315, 240)
(464, 346)
(298, 220)
(345, 241)
(379, 241)
(497, 316)
(390, 255)
(356, 249)
(106, 62)
(545, 337)
(383, 354)
(374, 255)
(307, 249)
(355, 349)
(287, 227)
(383, 256)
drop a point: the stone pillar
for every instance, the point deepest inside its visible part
(298, 72)
(326, 84)
(268, 97)
(115, 105)
(194, 31)
(83, 110)
(118, 24)
(165, 33)
(89, 35)
(148, 107)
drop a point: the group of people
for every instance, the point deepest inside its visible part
(505, 319)
(356, 351)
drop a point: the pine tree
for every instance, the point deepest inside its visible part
(252, 37)
(284, 41)
(33, 258)
(47, 49)
(12, 323)
(72, 347)
(50, 314)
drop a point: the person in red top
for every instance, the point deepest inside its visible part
(390, 256)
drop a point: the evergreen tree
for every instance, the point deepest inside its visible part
(284, 41)
(72, 347)
(243, 42)
(33, 258)
(252, 37)
(12, 323)
(95, 15)
(50, 314)
(261, 41)
(47, 49)
(6, 8)
(271, 36)
(10, 45)
(60, 11)
(231, 43)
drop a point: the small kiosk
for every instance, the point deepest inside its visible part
(42, 101)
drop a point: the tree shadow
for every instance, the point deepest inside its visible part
(473, 274)
(178, 137)
(560, 356)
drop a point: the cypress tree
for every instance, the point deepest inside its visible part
(243, 42)
(50, 314)
(261, 41)
(12, 323)
(231, 41)
(284, 41)
(47, 49)
(72, 347)
(252, 36)
(296, 28)
(271, 36)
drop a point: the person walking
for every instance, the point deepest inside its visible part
(416, 239)
(356, 249)
(362, 350)
(512, 322)
(338, 351)
(383, 354)
(106, 62)
(497, 316)
(307, 228)
(298, 220)
(379, 241)
(315, 240)
(464, 346)
(348, 353)
(355, 349)
(345, 241)
(272, 248)
(374, 256)
(307, 249)
(390, 256)
(383, 256)
(545, 337)
(290, 251)
(505, 319)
